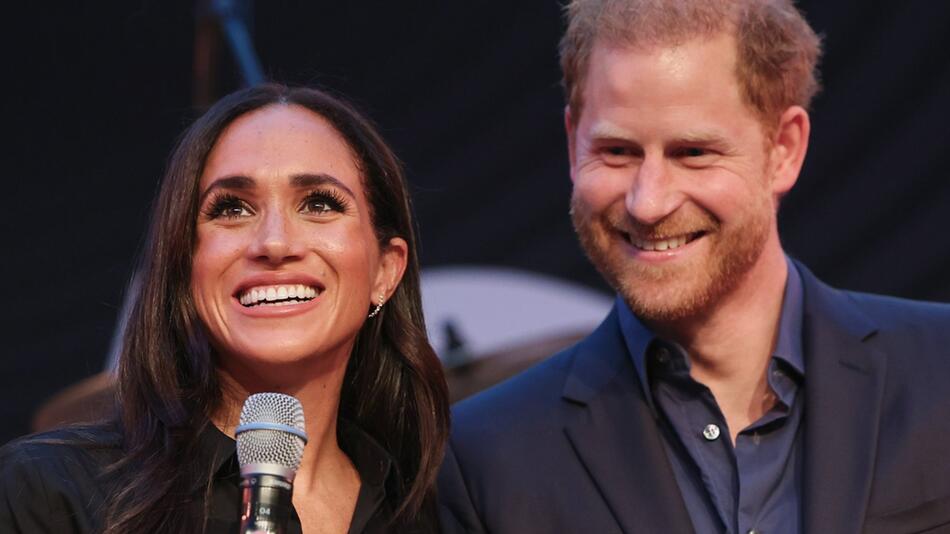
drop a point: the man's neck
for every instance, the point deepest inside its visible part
(730, 345)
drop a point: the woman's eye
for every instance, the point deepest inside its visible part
(318, 206)
(228, 207)
(323, 203)
(234, 211)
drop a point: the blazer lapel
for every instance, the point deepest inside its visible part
(616, 437)
(844, 386)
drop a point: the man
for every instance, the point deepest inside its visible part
(729, 390)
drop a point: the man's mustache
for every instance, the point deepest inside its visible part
(686, 220)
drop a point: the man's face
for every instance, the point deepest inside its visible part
(673, 196)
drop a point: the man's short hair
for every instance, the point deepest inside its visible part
(777, 49)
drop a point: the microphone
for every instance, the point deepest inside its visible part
(270, 442)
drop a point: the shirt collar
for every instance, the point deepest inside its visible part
(218, 449)
(788, 346)
(370, 459)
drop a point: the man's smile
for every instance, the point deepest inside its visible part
(661, 243)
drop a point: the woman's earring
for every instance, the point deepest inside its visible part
(379, 306)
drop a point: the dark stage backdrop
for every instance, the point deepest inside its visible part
(95, 93)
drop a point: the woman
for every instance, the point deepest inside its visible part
(281, 257)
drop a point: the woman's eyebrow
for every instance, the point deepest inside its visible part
(229, 182)
(303, 181)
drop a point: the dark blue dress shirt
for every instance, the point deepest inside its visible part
(754, 486)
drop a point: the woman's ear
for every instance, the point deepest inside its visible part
(392, 265)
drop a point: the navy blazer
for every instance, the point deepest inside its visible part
(571, 446)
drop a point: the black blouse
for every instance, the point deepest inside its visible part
(49, 483)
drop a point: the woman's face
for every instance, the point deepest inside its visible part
(286, 263)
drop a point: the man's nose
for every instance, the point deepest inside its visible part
(274, 241)
(652, 194)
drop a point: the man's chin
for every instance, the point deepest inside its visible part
(665, 302)
(653, 292)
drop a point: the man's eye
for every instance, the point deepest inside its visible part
(692, 152)
(617, 155)
(617, 151)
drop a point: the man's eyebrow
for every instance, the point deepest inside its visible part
(609, 131)
(606, 130)
(229, 182)
(303, 181)
(702, 138)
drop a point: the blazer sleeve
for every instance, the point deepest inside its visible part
(456, 511)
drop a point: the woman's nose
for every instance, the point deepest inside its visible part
(275, 241)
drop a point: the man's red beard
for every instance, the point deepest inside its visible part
(680, 289)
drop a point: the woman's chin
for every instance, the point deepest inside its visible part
(282, 358)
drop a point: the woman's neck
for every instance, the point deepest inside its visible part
(327, 483)
(320, 397)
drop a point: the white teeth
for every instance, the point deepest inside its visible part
(659, 245)
(278, 295)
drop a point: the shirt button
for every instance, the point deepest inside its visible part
(711, 432)
(663, 355)
(754, 531)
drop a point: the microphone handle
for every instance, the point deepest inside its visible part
(265, 504)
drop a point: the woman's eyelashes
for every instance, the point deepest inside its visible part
(323, 202)
(227, 206)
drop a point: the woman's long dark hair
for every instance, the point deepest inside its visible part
(167, 386)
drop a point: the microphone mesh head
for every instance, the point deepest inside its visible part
(271, 446)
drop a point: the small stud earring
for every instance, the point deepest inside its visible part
(379, 306)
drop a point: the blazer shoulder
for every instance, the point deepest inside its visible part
(895, 313)
(875, 312)
(916, 334)
(527, 398)
(912, 326)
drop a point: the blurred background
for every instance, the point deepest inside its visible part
(468, 94)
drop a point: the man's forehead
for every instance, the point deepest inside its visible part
(670, 48)
(617, 68)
